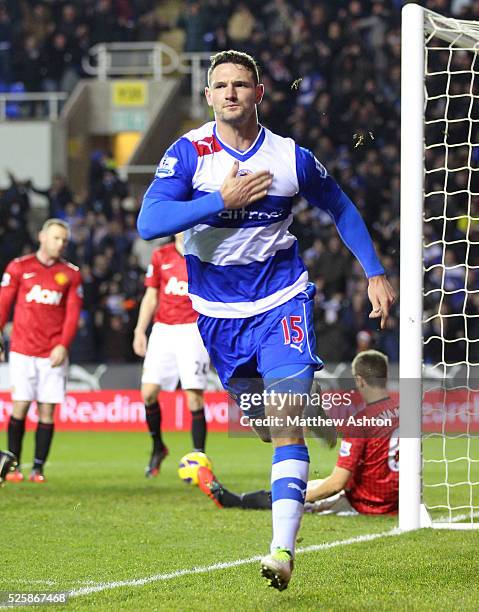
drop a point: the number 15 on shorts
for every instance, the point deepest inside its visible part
(292, 331)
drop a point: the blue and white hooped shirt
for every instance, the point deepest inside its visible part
(244, 262)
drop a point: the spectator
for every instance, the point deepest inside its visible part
(104, 25)
(241, 25)
(61, 72)
(69, 23)
(333, 77)
(6, 40)
(82, 350)
(37, 21)
(194, 22)
(29, 65)
(58, 195)
(102, 194)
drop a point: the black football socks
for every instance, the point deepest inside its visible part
(43, 441)
(198, 430)
(256, 500)
(16, 430)
(153, 420)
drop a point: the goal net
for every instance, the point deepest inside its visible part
(439, 486)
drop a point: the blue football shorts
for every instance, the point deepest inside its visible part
(275, 349)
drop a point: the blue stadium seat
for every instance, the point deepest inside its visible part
(13, 109)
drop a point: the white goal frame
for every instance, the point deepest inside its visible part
(412, 514)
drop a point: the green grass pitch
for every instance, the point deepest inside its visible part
(98, 521)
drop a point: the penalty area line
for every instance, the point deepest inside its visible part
(105, 586)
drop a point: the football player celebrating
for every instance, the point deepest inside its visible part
(365, 479)
(175, 349)
(230, 186)
(48, 297)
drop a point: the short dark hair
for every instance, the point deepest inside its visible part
(372, 366)
(234, 57)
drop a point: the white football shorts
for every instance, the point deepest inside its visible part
(33, 378)
(176, 352)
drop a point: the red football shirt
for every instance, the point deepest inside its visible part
(167, 273)
(48, 304)
(374, 461)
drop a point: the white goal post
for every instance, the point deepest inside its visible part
(439, 471)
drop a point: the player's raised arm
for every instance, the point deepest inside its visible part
(323, 192)
(168, 207)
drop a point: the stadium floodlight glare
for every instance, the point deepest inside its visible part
(439, 471)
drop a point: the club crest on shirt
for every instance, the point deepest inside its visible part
(244, 172)
(60, 278)
(166, 167)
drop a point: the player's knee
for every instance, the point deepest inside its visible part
(45, 413)
(195, 399)
(20, 409)
(263, 432)
(283, 412)
(148, 398)
(46, 419)
(310, 411)
(149, 395)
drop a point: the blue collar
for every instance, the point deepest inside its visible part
(243, 155)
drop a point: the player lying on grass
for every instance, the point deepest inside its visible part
(230, 185)
(174, 350)
(366, 476)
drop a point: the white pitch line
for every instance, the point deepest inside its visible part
(225, 565)
(456, 519)
(95, 588)
(105, 586)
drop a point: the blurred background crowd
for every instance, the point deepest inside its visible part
(332, 78)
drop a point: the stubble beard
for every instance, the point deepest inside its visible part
(235, 119)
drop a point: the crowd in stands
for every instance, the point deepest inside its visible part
(42, 42)
(332, 78)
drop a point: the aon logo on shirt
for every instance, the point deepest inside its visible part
(176, 287)
(43, 296)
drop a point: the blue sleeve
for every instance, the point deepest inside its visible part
(322, 191)
(168, 207)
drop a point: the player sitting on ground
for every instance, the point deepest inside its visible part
(48, 295)
(175, 348)
(366, 476)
